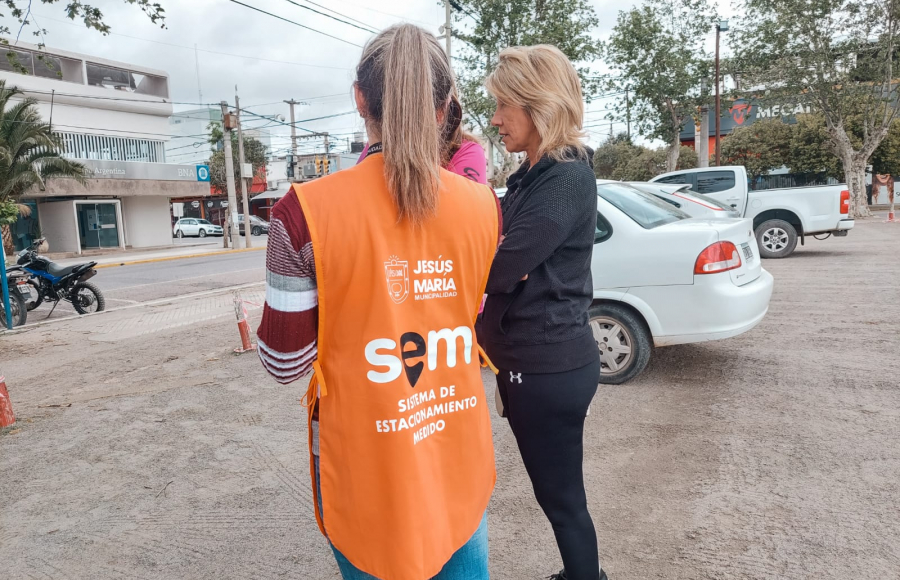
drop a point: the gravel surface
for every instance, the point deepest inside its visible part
(773, 455)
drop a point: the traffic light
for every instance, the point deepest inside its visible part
(318, 165)
(325, 166)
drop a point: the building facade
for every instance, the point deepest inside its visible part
(190, 129)
(113, 118)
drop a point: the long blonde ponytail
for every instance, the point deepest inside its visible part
(406, 78)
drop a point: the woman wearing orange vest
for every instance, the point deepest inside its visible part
(535, 323)
(374, 278)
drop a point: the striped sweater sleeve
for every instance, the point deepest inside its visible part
(288, 333)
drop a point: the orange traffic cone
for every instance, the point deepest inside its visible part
(7, 417)
(243, 326)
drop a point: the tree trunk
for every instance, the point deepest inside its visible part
(855, 174)
(8, 244)
(672, 153)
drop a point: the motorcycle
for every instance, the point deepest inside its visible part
(19, 293)
(55, 283)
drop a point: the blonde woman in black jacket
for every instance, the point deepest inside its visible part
(535, 325)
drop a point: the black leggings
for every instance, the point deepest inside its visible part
(546, 414)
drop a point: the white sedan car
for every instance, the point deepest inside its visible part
(663, 278)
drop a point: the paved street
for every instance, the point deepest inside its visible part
(136, 283)
(146, 449)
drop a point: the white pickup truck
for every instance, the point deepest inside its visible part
(780, 216)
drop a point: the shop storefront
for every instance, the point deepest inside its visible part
(123, 204)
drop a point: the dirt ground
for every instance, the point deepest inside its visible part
(774, 455)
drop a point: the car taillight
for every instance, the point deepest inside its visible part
(845, 202)
(719, 257)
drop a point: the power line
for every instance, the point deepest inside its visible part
(404, 18)
(330, 16)
(191, 48)
(159, 101)
(332, 10)
(282, 18)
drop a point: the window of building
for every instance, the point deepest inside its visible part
(41, 64)
(122, 80)
(83, 146)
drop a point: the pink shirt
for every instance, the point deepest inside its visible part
(469, 161)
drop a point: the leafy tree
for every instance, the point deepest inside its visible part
(811, 148)
(566, 24)
(637, 163)
(840, 55)
(29, 154)
(255, 153)
(886, 158)
(656, 51)
(90, 16)
(761, 147)
(613, 153)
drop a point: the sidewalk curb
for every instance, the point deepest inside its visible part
(158, 302)
(182, 257)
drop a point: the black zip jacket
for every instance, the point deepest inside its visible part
(540, 325)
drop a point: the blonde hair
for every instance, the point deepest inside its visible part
(541, 80)
(405, 77)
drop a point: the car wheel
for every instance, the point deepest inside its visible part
(776, 238)
(179, 234)
(202, 233)
(623, 340)
(256, 231)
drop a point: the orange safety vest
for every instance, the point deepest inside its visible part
(405, 450)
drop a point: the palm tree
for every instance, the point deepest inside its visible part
(29, 155)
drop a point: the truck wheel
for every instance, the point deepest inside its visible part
(623, 340)
(776, 238)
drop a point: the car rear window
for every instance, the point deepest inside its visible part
(644, 208)
(714, 181)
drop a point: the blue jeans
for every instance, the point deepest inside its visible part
(468, 563)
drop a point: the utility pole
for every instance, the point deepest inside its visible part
(228, 124)
(448, 26)
(245, 198)
(628, 112)
(197, 64)
(721, 26)
(701, 140)
(292, 102)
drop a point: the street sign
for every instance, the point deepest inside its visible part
(203, 173)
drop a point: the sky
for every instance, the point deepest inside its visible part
(269, 60)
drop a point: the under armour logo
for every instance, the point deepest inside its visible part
(515, 377)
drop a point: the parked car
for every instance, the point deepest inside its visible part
(258, 226)
(781, 216)
(662, 278)
(196, 227)
(691, 203)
